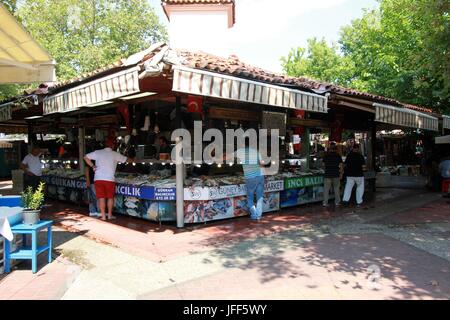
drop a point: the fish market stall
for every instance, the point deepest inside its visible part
(144, 196)
(206, 198)
(215, 198)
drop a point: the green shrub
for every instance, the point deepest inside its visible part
(33, 200)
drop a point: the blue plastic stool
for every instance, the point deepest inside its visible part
(29, 252)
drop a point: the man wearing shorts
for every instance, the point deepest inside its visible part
(104, 178)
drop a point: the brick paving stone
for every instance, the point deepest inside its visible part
(273, 259)
(49, 283)
(438, 211)
(334, 267)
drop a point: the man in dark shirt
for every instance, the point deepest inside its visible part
(333, 165)
(354, 170)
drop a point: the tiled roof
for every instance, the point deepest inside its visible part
(417, 108)
(149, 53)
(86, 75)
(233, 66)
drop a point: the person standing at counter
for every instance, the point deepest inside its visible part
(333, 167)
(250, 159)
(354, 170)
(90, 185)
(164, 148)
(32, 167)
(104, 178)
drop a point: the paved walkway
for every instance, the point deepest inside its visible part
(398, 247)
(49, 283)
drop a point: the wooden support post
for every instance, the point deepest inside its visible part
(30, 136)
(81, 148)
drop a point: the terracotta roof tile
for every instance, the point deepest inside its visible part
(417, 108)
(86, 75)
(233, 66)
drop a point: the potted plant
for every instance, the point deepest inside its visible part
(32, 201)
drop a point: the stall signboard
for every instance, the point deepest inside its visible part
(64, 182)
(273, 186)
(196, 193)
(302, 182)
(165, 194)
(131, 191)
(230, 191)
(147, 192)
(141, 192)
(227, 191)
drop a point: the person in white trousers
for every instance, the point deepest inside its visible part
(354, 170)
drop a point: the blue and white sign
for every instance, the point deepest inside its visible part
(165, 194)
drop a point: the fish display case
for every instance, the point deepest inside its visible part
(208, 198)
(152, 196)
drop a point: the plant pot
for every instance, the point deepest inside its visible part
(31, 216)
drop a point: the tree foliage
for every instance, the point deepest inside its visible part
(400, 50)
(84, 35)
(319, 61)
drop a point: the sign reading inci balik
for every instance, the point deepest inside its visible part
(302, 182)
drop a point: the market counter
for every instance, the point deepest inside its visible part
(201, 203)
(147, 202)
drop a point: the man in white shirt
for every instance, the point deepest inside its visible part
(32, 167)
(104, 178)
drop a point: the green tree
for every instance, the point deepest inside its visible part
(319, 61)
(84, 35)
(400, 50)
